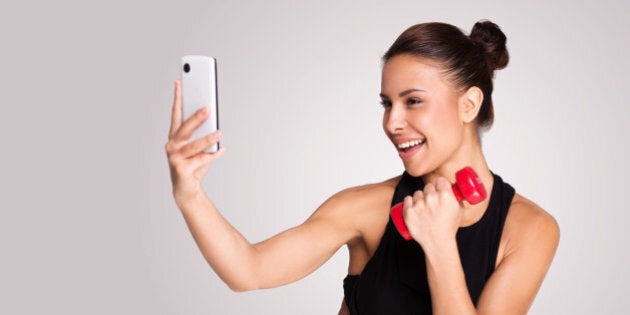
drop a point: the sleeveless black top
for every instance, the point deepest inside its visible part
(394, 281)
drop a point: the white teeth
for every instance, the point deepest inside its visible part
(410, 144)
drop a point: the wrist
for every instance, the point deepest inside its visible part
(189, 199)
(439, 250)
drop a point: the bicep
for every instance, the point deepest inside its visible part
(513, 286)
(297, 252)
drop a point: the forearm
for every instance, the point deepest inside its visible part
(230, 255)
(449, 292)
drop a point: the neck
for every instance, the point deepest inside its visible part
(468, 154)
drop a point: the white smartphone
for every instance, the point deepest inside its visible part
(199, 89)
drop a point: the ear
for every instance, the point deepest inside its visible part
(470, 103)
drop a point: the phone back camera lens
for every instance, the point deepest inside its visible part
(186, 68)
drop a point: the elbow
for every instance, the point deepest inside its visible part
(239, 288)
(242, 277)
(242, 286)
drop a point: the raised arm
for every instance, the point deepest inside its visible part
(282, 259)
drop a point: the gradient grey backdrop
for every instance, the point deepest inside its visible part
(88, 224)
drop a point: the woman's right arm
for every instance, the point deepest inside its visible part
(282, 259)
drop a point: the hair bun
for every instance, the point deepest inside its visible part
(492, 39)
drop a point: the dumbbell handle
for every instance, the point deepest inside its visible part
(468, 187)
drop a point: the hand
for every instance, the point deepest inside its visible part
(433, 215)
(187, 160)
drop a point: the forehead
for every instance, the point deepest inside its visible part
(404, 72)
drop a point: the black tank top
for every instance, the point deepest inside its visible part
(394, 281)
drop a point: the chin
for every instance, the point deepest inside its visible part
(415, 170)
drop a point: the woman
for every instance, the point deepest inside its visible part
(487, 258)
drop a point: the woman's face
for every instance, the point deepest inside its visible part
(420, 113)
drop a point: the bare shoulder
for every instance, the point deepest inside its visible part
(529, 224)
(359, 210)
(524, 214)
(363, 211)
(353, 198)
(388, 184)
(530, 239)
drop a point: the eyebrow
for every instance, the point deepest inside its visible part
(403, 93)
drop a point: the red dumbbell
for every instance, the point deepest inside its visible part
(468, 186)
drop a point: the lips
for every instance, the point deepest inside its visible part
(409, 147)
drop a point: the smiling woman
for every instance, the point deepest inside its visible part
(487, 258)
(436, 93)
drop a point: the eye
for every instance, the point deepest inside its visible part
(386, 104)
(413, 101)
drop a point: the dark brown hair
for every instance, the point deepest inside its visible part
(468, 60)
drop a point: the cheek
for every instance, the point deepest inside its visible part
(451, 131)
(442, 124)
(449, 121)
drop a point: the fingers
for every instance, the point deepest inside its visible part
(186, 129)
(432, 214)
(418, 197)
(200, 144)
(413, 204)
(429, 189)
(179, 130)
(177, 150)
(178, 145)
(203, 159)
(407, 202)
(431, 197)
(176, 115)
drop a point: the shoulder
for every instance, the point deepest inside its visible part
(366, 193)
(529, 224)
(525, 215)
(530, 239)
(359, 198)
(355, 208)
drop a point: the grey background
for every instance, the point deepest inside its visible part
(88, 224)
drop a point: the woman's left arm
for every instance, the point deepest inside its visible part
(530, 240)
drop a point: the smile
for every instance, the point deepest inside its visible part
(410, 144)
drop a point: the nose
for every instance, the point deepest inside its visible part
(395, 119)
